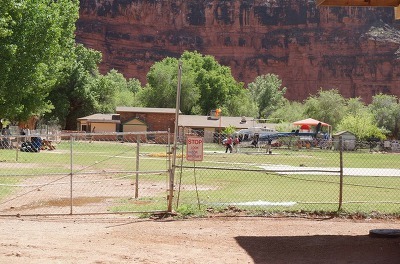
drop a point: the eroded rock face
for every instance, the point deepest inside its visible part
(354, 50)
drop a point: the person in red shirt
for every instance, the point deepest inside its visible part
(228, 145)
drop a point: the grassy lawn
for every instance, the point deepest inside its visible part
(308, 192)
(263, 192)
(250, 188)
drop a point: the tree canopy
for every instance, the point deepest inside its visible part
(362, 125)
(328, 106)
(267, 92)
(288, 111)
(386, 111)
(74, 92)
(83, 90)
(36, 37)
(205, 86)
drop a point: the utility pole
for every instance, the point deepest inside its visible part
(172, 169)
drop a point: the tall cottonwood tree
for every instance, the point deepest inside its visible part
(205, 85)
(36, 37)
(268, 93)
(74, 94)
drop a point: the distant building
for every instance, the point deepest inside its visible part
(209, 126)
(348, 140)
(143, 119)
(137, 119)
(99, 122)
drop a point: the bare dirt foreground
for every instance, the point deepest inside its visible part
(127, 239)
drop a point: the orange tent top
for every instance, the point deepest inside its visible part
(310, 122)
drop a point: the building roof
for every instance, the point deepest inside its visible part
(145, 110)
(196, 121)
(101, 118)
(342, 133)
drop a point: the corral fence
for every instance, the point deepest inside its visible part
(85, 173)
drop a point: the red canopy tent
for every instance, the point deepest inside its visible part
(305, 127)
(309, 122)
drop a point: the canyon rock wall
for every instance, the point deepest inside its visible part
(354, 50)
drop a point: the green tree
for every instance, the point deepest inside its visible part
(229, 131)
(355, 106)
(216, 83)
(76, 94)
(240, 104)
(386, 110)
(268, 93)
(289, 111)
(83, 90)
(36, 39)
(362, 125)
(7, 11)
(111, 91)
(129, 96)
(114, 90)
(205, 86)
(327, 106)
(162, 82)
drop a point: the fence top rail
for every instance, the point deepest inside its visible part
(76, 133)
(80, 133)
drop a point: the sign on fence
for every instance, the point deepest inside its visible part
(194, 148)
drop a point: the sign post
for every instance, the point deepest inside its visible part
(194, 148)
(194, 152)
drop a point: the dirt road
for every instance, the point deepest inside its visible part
(125, 239)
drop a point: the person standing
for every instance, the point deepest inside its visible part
(236, 142)
(228, 145)
(269, 146)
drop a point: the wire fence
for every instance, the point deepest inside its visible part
(84, 173)
(294, 174)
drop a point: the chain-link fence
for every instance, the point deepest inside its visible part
(84, 173)
(293, 174)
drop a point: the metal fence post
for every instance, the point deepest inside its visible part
(17, 148)
(71, 173)
(137, 167)
(341, 173)
(169, 149)
(177, 107)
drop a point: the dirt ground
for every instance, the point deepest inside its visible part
(128, 239)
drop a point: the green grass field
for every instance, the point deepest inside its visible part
(222, 179)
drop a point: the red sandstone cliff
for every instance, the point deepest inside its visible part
(351, 49)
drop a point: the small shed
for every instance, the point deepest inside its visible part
(134, 125)
(348, 140)
(99, 123)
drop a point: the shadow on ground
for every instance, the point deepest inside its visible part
(321, 249)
